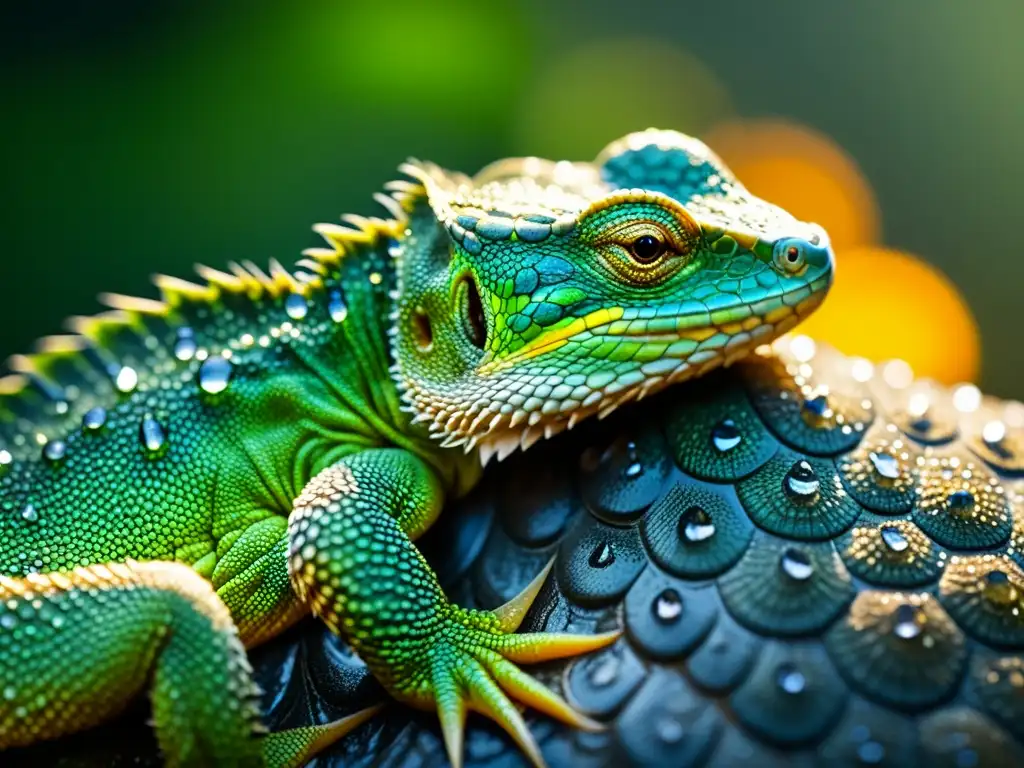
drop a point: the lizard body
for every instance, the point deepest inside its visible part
(186, 477)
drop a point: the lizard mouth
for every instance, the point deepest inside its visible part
(678, 331)
(668, 349)
(696, 321)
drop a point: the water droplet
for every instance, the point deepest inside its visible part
(94, 419)
(817, 407)
(152, 434)
(5, 458)
(10, 692)
(908, 621)
(295, 306)
(395, 249)
(894, 539)
(993, 433)
(55, 450)
(870, 753)
(960, 502)
(696, 525)
(185, 346)
(634, 469)
(336, 307)
(29, 513)
(790, 679)
(886, 465)
(602, 556)
(725, 436)
(802, 482)
(127, 380)
(604, 671)
(669, 729)
(214, 374)
(998, 588)
(667, 606)
(796, 564)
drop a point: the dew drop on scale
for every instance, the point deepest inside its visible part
(295, 306)
(790, 679)
(725, 436)
(94, 419)
(55, 450)
(214, 375)
(604, 672)
(634, 468)
(885, 464)
(29, 513)
(817, 407)
(336, 307)
(152, 434)
(960, 502)
(602, 556)
(908, 621)
(185, 345)
(669, 729)
(667, 606)
(696, 525)
(126, 380)
(796, 565)
(801, 482)
(894, 539)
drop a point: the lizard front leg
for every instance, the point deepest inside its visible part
(352, 559)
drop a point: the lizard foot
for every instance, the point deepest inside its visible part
(473, 666)
(296, 747)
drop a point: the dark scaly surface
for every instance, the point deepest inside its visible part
(763, 626)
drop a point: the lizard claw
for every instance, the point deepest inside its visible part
(473, 666)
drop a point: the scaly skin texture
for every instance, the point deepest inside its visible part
(187, 477)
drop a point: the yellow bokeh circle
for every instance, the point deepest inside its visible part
(802, 171)
(888, 304)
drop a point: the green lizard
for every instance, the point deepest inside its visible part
(185, 478)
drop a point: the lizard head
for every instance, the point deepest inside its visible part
(538, 292)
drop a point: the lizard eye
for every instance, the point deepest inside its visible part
(789, 256)
(647, 248)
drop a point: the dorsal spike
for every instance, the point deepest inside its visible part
(133, 304)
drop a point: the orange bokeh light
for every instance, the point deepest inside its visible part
(802, 171)
(887, 304)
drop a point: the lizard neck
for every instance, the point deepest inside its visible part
(360, 297)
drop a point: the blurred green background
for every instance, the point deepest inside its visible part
(142, 137)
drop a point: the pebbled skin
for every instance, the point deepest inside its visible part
(711, 670)
(284, 438)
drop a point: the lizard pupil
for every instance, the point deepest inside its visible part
(647, 248)
(793, 254)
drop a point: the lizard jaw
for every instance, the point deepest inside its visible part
(490, 425)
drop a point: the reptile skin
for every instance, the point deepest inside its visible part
(188, 477)
(749, 642)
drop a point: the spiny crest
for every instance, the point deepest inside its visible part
(83, 365)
